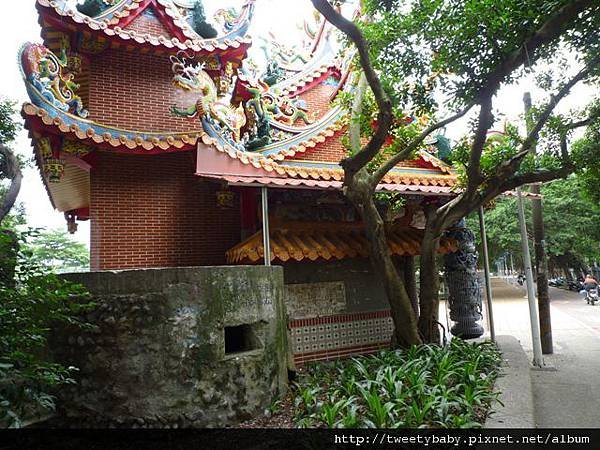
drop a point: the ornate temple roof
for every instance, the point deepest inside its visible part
(110, 26)
(302, 149)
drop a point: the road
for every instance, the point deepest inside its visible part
(568, 396)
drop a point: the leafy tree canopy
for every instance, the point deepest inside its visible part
(57, 250)
(571, 223)
(8, 126)
(10, 165)
(458, 45)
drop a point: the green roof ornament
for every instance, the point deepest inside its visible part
(443, 147)
(199, 23)
(94, 8)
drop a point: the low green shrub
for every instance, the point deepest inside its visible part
(423, 387)
(32, 302)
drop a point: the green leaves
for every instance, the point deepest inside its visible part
(56, 249)
(8, 126)
(570, 218)
(425, 386)
(32, 303)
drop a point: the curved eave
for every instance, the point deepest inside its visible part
(39, 114)
(307, 137)
(327, 241)
(320, 64)
(56, 11)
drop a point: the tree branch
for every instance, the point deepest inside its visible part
(581, 123)
(354, 163)
(510, 166)
(539, 176)
(354, 126)
(10, 169)
(549, 31)
(414, 144)
(485, 122)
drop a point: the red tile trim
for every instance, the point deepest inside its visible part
(353, 317)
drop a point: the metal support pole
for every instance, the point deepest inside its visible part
(486, 270)
(265, 223)
(538, 360)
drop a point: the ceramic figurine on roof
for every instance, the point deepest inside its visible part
(210, 105)
(94, 8)
(199, 23)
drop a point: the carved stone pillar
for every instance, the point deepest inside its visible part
(464, 290)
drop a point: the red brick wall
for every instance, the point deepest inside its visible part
(317, 101)
(151, 211)
(149, 24)
(133, 91)
(331, 150)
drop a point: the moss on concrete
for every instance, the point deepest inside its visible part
(156, 357)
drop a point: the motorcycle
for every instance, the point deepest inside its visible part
(591, 296)
(573, 285)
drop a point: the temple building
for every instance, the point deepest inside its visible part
(158, 128)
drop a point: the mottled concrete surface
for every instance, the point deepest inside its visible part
(157, 355)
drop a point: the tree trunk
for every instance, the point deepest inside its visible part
(541, 271)
(410, 281)
(360, 195)
(9, 168)
(429, 284)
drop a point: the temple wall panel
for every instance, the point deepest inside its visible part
(133, 91)
(151, 211)
(335, 309)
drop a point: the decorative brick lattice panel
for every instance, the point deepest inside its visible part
(332, 337)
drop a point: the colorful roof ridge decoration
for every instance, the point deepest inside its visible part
(108, 137)
(298, 241)
(302, 142)
(322, 63)
(52, 77)
(109, 25)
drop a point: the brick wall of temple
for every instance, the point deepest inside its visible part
(151, 211)
(331, 150)
(317, 100)
(133, 91)
(148, 23)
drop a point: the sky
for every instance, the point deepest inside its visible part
(280, 17)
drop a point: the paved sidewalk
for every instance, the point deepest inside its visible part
(568, 396)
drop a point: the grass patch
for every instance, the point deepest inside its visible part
(423, 387)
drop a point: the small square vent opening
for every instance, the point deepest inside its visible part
(240, 338)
